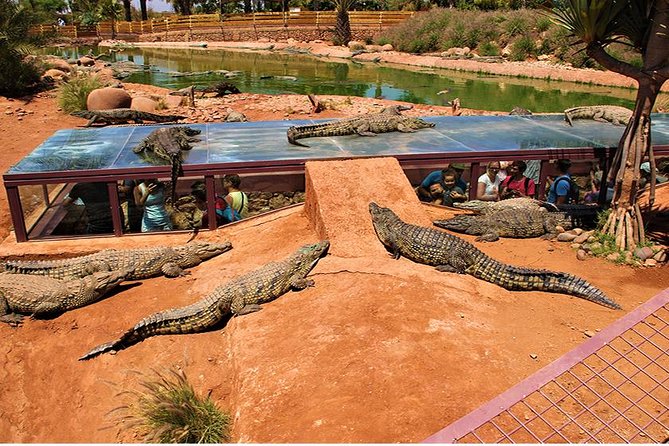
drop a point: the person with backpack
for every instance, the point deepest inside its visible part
(563, 190)
(516, 184)
(238, 201)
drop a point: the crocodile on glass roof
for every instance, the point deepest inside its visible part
(111, 147)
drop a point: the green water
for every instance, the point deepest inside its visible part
(257, 73)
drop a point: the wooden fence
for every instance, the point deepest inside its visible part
(265, 20)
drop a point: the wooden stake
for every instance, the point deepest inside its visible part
(631, 245)
(620, 231)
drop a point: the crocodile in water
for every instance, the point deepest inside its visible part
(145, 262)
(452, 254)
(388, 120)
(122, 116)
(239, 296)
(39, 295)
(614, 114)
(168, 144)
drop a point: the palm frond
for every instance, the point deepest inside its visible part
(591, 20)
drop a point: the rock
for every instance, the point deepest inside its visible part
(577, 231)
(591, 239)
(278, 202)
(566, 237)
(175, 101)
(356, 45)
(457, 52)
(144, 104)
(86, 61)
(613, 257)
(543, 57)
(59, 64)
(650, 262)
(387, 47)
(644, 253)
(629, 257)
(583, 237)
(581, 254)
(106, 76)
(559, 229)
(589, 333)
(56, 74)
(595, 246)
(108, 98)
(533, 355)
(660, 256)
(575, 246)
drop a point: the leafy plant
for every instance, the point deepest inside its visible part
(489, 49)
(73, 94)
(516, 25)
(17, 76)
(169, 411)
(523, 48)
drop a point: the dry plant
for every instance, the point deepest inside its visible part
(167, 410)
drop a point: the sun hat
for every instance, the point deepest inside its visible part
(458, 166)
(645, 167)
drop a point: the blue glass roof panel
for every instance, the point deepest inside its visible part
(111, 147)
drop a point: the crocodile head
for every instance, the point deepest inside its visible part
(382, 219)
(206, 250)
(308, 255)
(106, 280)
(417, 123)
(188, 131)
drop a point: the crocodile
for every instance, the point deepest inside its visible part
(453, 254)
(147, 262)
(512, 223)
(517, 204)
(614, 114)
(40, 295)
(122, 116)
(237, 297)
(221, 89)
(235, 116)
(387, 120)
(168, 144)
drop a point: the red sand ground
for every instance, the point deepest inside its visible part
(378, 351)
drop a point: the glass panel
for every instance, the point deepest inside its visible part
(83, 208)
(188, 211)
(36, 200)
(111, 147)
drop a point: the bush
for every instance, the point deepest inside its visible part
(17, 77)
(516, 25)
(169, 411)
(523, 48)
(72, 96)
(543, 24)
(488, 49)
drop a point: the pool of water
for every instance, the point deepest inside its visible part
(282, 73)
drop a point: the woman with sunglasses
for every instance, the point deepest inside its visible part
(488, 183)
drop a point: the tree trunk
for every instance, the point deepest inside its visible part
(342, 28)
(142, 8)
(127, 9)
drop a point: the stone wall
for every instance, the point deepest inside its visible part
(260, 202)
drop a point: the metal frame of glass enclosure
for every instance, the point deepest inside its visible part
(105, 154)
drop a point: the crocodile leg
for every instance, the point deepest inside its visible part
(300, 284)
(7, 316)
(171, 269)
(404, 129)
(488, 237)
(91, 121)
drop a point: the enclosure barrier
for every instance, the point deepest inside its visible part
(376, 20)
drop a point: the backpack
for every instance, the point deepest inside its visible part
(574, 190)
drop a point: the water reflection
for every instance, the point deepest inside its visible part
(278, 73)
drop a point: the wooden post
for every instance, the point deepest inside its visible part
(18, 221)
(152, 26)
(114, 203)
(210, 186)
(473, 180)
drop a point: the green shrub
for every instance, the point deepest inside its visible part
(73, 94)
(523, 48)
(516, 25)
(488, 49)
(543, 24)
(457, 36)
(169, 411)
(17, 77)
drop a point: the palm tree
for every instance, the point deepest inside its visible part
(342, 32)
(16, 75)
(641, 24)
(128, 11)
(110, 9)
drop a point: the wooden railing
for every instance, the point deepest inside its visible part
(317, 19)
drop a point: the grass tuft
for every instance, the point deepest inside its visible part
(168, 410)
(73, 94)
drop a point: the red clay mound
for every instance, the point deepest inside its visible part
(343, 216)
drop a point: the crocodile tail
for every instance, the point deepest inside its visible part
(292, 137)
(100, 349)
(459, 223)
(177, 170)
(527, 279)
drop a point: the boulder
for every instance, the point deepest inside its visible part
(108, 98)
(581, 255)
(356, 45)
(387, 47)
(144, 104)
(59, 64)
(583, 237)
(55, 74)
(660, 256)
(566, 237)
(644, 253)
(86, 61)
